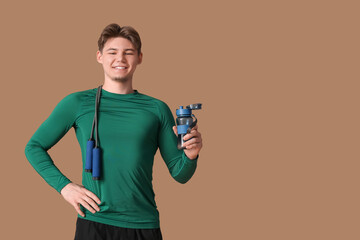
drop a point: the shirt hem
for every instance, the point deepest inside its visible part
(117, 223)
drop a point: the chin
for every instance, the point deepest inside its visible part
(120, 79)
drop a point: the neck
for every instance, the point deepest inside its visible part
(118, 87)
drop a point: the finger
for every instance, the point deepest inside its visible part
(193, 133)
(175, 130)
(191, 141)
(187, 136)
(195, 145)
(77, 208)
(86, 205)
(194, 128)
(92, 203)
(92, 195)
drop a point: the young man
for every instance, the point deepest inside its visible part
(132, 125)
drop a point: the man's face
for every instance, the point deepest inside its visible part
(119, 59)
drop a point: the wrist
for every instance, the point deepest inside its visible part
(192, 158)
(64, 188)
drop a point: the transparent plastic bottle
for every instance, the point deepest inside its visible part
(185, 122)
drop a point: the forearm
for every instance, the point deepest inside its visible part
(184, 169)
(41, 161)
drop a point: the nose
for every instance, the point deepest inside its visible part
(120, 58)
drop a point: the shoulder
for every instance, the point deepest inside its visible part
(81, 94)
(69, 106)
(73, 100)
(160, 104)
(78, 96)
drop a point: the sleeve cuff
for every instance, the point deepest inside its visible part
(61, 186)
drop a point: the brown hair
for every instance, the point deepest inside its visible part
(114, 30)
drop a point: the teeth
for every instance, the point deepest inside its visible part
(120, 67)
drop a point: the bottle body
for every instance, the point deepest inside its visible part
(183, 123)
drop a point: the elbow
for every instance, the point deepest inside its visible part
(185, 172)
(183, 178)
(182, 181)
(28, 150)
(32, 149)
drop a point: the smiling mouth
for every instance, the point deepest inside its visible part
(120, 67)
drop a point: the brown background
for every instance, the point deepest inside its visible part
(279, 83)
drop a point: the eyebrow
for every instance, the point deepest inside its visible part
(115, 49)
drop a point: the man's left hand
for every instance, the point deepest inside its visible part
(194, 144)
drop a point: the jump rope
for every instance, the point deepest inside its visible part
(93, 150)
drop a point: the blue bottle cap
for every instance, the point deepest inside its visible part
(181, 112)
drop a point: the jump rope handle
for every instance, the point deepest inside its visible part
(89, 149)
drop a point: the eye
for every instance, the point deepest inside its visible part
(129, 53)
(112, 53)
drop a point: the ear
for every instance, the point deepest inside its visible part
(99, 57)
(140, 58)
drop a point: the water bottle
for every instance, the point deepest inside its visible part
(185, 122)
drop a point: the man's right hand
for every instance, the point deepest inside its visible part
(76, 194)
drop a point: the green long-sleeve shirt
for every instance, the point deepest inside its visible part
(131, 129)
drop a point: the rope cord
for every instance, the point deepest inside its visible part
(96, 117)
(93, 124)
